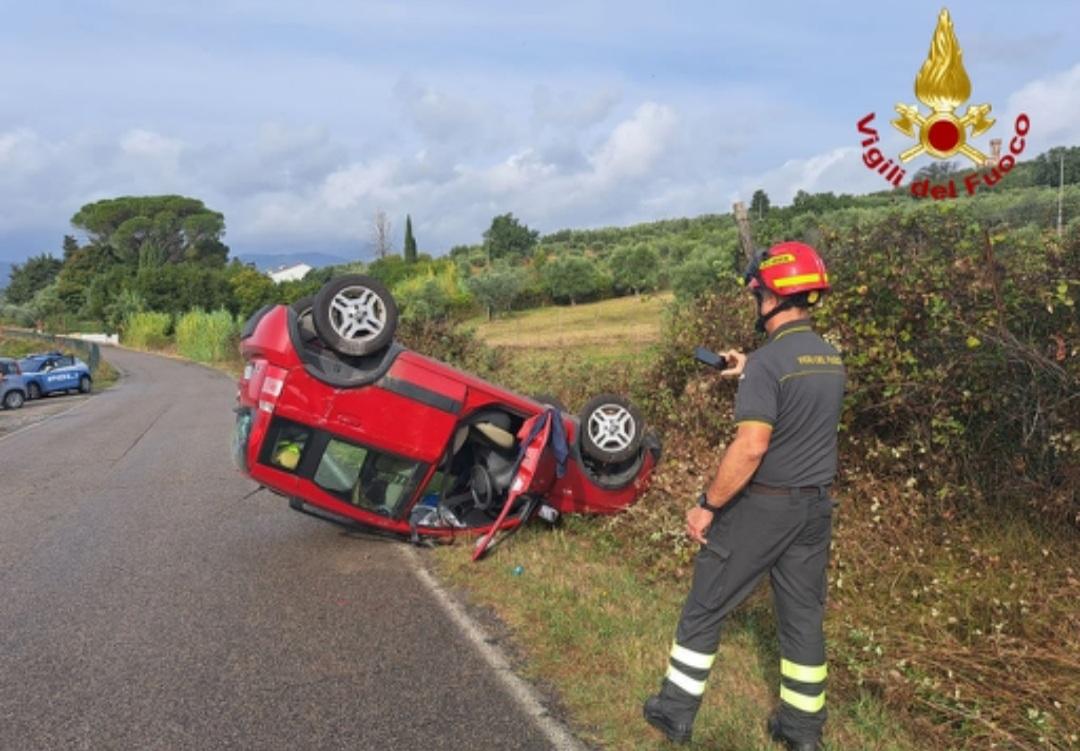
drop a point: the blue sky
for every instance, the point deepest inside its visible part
(300, 120)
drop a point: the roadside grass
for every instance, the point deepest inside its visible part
(598, 629)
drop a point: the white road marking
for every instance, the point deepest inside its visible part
(525, 695)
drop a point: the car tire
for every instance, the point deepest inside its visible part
(13, 399)
(305, 320)
(550, 401)
(612, 429)
(85, 385)
(33, 391)
(355, 315)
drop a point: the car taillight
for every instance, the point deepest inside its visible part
(272, 385)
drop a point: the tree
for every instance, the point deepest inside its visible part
(410, 241)
(496, 288)
(26, 279)
(74, 281)
(47, 305)
(152, 230)
(636, 268)
(759, 204)
(508, 238)
(937, 172)
(251, 289)
(571, 278)
(177, 288)
(71, 246)
(381, 240)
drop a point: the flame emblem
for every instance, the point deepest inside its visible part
(943, 85)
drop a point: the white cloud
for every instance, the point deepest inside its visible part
(636, 144)
(1053, 104)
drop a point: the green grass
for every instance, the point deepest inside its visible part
(207, 337)
(598, 629)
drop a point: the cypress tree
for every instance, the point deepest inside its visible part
(410, 241)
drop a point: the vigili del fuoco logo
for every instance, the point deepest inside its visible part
(943, 85)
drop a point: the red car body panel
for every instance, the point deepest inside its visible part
(411, 411)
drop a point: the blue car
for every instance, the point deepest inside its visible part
(12, 384)
(55, 372)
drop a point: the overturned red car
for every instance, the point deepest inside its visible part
(351, 426)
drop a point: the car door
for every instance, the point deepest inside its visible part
(70, 372)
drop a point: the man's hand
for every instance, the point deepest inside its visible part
(698, 520)
(738, 360)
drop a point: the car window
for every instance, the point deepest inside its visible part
(366, 478)
(7, 368)
(31, 365)
(288, 441)
(65, 362)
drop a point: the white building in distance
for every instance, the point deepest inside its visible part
(292, 273)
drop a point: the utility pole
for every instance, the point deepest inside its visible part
(742, 221)
(1061, 188)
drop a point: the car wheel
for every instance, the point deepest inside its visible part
(355, 315)
(13, 400)
(304, 318)
(611, 429)
(33, 391)
(85, 384)
(550, 401)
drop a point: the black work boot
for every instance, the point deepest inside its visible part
(776, 732)
(654, 715)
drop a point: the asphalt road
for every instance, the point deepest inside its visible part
(150, 600)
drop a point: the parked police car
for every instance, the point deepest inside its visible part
(55, 372)
(12, 384)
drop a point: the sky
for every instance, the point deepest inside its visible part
(300, 120)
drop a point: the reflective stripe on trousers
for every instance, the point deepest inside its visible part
(786, 537)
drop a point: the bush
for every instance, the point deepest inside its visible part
(16, 315)
(207, 337)
(146, 330)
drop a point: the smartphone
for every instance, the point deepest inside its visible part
(710, 358)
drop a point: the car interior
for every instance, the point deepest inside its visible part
(471, 483)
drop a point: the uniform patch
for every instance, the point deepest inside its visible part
(819, 360)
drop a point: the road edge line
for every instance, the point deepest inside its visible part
(525, 695)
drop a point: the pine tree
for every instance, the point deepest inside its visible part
(410, 241)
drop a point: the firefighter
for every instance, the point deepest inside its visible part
(768, 509)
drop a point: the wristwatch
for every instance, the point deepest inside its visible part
(703, 502)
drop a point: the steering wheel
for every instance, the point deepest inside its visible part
(481, 487)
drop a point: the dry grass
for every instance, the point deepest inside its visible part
(618, 326)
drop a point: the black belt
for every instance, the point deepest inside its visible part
(762, 489)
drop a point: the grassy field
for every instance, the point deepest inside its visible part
(612, 331)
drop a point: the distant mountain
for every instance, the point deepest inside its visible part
(269, 261)
(5, 273)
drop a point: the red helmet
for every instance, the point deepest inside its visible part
(788, 269)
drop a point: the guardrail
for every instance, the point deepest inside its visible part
(88, 351)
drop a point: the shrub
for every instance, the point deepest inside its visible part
(207, 337)
(147, 330)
